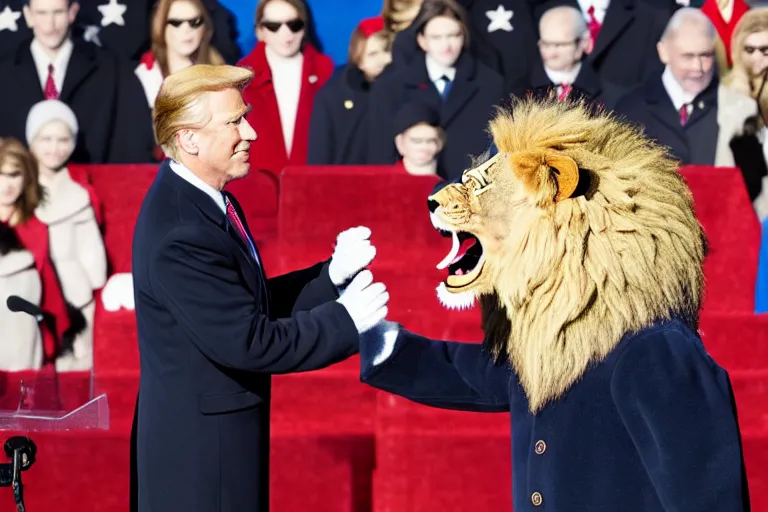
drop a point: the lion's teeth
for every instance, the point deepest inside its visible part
(451, 255)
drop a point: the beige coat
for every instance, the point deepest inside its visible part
(76, 245)
(733, 108)
(21, 346)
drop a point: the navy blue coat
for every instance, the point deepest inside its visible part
(651, 428)
(212, 329)
(464, 115)
(338, 127)
(650, 106)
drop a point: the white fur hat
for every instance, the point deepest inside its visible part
(46, 111)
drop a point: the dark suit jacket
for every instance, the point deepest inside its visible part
(650, 106)
(588, 86)
(212, 329)
(105, 95)
(464, 115)
(652, 427)
(509, 53)
(338, 127)
(625, 51)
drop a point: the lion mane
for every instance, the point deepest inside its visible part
(588, 234)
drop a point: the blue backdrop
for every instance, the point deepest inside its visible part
(335, 21)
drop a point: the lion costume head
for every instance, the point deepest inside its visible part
(578, 231)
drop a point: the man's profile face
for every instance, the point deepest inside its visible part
(224, 143)
(690, 54)
(50, 21)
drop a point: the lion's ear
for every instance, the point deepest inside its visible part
(549, 177)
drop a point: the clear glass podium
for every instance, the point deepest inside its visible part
(45, 401)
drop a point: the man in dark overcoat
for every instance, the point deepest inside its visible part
(212, 328)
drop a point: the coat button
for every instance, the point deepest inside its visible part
(540, 447)
(536, 499)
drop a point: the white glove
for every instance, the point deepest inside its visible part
(353, 253)
(118, 292)
(365, 301)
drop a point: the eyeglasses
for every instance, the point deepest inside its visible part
(192, 22)
(295, 25)
(752, 49)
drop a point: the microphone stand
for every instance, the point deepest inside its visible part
(21, 450)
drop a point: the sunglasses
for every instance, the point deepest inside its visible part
(752, 49)
(294, 25)
(192, 22)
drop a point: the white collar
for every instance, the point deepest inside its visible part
(563, 77)
(675, 91)
(193, 179)
(437, 71)
(60, 62)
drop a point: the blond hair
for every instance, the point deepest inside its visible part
(179, 104)
(740, 77)
(565, 280)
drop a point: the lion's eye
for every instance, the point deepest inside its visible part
(477, 180)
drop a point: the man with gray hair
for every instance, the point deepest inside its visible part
(563, 69)
(685, 108)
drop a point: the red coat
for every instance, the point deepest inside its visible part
(725, 30)
(33, 234)
(268, 151)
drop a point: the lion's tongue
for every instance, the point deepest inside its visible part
(463, 251)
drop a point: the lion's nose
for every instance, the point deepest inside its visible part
(432, 205)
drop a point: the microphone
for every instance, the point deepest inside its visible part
(17, 304)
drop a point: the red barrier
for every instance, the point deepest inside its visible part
(731, 226)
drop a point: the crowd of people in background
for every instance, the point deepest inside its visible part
(421, 81)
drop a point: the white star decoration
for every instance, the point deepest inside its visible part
(112, 13)
(8, 19)
(500, 19)
(91, 34)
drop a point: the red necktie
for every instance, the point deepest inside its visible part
(50, 86)
(593, 25)
(234, 219)
(565, 90)
(684, 114)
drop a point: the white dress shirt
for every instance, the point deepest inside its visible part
(676, 92)
(190, 177)
(437, 71)
(217, 196)
(60, 63)
(601, 7)
(286, 78)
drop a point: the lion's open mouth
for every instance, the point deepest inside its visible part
(464, 262)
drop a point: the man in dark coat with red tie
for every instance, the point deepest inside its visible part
(212, 328)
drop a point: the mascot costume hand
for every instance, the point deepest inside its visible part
(579, 242)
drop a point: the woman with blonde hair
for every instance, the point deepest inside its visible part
(749, 52)
(20, 195)
(181, 36)
(338, 127)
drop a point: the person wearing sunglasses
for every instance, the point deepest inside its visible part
(288, 73)
(181, 36)
(749, 52)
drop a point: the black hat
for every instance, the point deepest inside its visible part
(411, 114)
